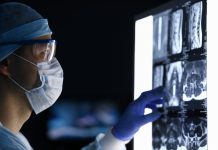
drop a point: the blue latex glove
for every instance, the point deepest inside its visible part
(133, 117)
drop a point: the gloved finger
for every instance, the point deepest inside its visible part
(154, 103)
(152, 96)
(149, 118)
(158, 101)
(151, 106)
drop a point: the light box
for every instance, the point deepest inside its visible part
(172, 50)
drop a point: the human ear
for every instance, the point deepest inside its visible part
(4, 67)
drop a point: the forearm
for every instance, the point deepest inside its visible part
(106, 142)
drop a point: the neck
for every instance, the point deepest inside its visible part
(14, 109)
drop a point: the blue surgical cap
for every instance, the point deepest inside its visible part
(19, 22)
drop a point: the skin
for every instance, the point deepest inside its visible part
(15, 108)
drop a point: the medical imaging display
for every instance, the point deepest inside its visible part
(183, 73)
(195, 30)
(176, 31)
(173, 133)
(160, 35)
(194, 80)
(173, 83)
(158, 76)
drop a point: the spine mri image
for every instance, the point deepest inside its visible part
(195, 25)
(176, 31)
(194, 80)
(179, 65)
(173, 83)
(160, 34)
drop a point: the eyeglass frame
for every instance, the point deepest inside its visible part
(32, 42)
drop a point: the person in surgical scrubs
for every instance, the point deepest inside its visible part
(31, 79)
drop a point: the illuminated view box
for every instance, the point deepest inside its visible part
(171, 51)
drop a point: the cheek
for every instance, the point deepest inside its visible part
(25, 74)
(31, 77)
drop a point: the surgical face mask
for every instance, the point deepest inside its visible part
(51, 76)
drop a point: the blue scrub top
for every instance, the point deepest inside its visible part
(11, 141)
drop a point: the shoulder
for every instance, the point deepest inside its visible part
(9, 141)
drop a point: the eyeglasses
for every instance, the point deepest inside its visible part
(43, 50)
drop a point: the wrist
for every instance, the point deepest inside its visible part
(110, 140)
(120, 135)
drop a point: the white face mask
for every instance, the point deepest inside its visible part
(51, 76)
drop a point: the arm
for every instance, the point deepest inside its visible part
(132, 119)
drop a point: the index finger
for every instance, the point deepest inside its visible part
(152, 96)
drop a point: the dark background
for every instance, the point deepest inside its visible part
(96, 50)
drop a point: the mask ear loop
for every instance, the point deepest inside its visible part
(16, 81)
(18, 84)
(24, 59)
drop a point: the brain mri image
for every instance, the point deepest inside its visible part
(160, 35)
(195, 29)
(194, 132)
(194, 80)
(176, 31)
(173, 83)
(158, 76)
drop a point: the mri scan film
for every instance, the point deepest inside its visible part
(195, 25)
(173, 83)
(176, 31)
(171, 133)
(183, 73)
(158, 76)
(160, 35)
(194, 80)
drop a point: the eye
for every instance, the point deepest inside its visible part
(40, 51)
